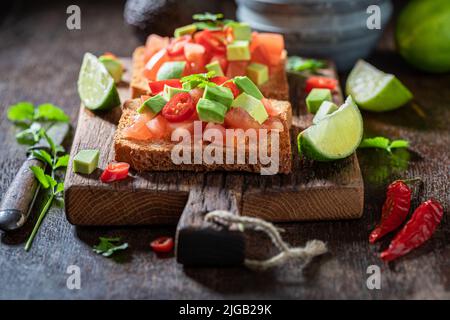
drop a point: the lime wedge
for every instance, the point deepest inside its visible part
(96, 86)
(375, 90)
(113, 66)
(336, 136)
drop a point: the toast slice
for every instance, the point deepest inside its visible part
(156, 155)
(276, 88)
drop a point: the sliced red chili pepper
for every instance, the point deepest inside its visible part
(416, 231)
(320, 82)
(395, 210)
(179, 108)
(115, 171)
(158, 86)
(162, 244)
(233, 87)
(176, 46)
(213, 41)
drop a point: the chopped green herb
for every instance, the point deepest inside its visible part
(383, 143)
(210, 21)
(298, 64)
(207, 16)
(107, 246)
(201, 80)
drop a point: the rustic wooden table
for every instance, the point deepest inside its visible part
(39, 62)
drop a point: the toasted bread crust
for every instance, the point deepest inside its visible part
(276, 88)
(156, 155)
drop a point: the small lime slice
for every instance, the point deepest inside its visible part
(375, 90)
(96, 86)
(336, 136)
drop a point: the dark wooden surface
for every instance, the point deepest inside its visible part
(39, 61)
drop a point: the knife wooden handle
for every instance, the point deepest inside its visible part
(199, 243)
(19, 198)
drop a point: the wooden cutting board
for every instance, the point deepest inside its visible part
(314, 191)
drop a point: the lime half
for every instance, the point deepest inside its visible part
(96, 86)
(375, 90)
(334, 137)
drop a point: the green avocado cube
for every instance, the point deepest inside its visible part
(169, 92)
(170, 70)
(258, 73)
(316, 97)
(211, 111)
(189, 85)
(241, 30)
(86, 161)
(219, 94)
(155, 104)
(253, 106)
(181, 31)
(215, 66)
(247, 85)
(238, 50)
(325, 109)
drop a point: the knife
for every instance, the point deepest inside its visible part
(18, 200)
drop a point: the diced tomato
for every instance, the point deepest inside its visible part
(267, 46)
(162, 245)
(192, 68)
(213, 41)
(233, 87)
(139, 130)
(153, 44)
(320, 82)
(220, 129)
(158, 86)
(195, 53)
(179, 108)
(222, 59)
(270, 108)
(273, 123)
(153, 65)
(176, 46)
(158, 127)
(219, 80)
(236, 68)
(238, 118)
(115, 171)
(196, 94)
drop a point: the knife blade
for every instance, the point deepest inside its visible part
(18, 200)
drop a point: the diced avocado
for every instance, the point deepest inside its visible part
(238, 50)
(211, 111)
(171, 70)
(86, 161)
(169, 92)
(246, 85)
(181, 31)
(252, 105)
(241, 30)
(114, 67)
(222, 95)
(190, 85)
(155, 104)
(316, 97)
(325, 109)
(258, 73)
(215, 66)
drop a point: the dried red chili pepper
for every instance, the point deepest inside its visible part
(416, 231)
(395, 209)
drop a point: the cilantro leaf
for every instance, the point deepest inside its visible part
(21, 112)
(52, 182)
(383, 143)
(31, 135)
(59, 188)
(50, 142)
(44, 156)
(298, 64)
(50, 112)
(107, 246)
(207, 16)
(40, 176)
(200, 79)
(62, 161)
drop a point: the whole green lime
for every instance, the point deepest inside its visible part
(423, 34)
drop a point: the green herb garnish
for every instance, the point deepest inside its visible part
(383, 143)
(210, 21)
(200, 80)
(107, 246)
(298, 64)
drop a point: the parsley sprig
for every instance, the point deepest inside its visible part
(383, 143)
(108, 246)
(34, 122)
